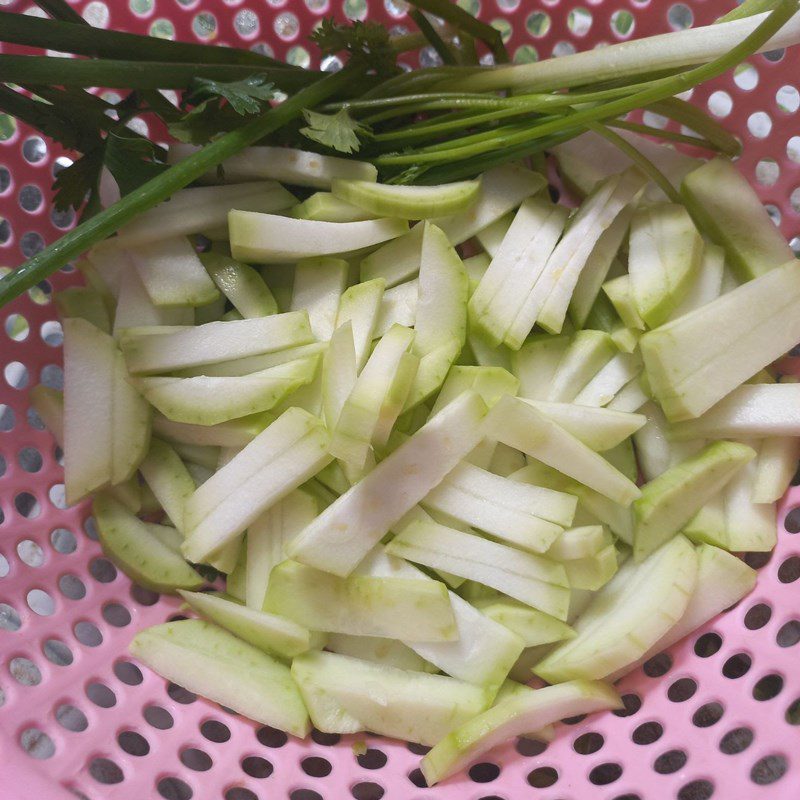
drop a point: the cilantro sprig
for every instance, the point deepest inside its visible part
(338, 131)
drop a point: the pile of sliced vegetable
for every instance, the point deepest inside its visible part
(405, 448)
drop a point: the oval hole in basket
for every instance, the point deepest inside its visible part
(669, 762)
(104, 770)
(372, 759)
(88, 634)
(647, 733)
(707, 645)
(542, 777)
(180, 695)
(37, 744)
(485, 772)
(128, 673)
(316, 767)
(133, 743)
(603, 774)
(63, 541)
(72, 587)
(737, 665)
(240, 793)
(174, 789)
(708, 714)
(588, 743)
(71, 718)
(696, 790)
(757, 616)
(367, 790)
(24, 671)
(216, 731)
(768, 687)
(158, 717)
(9, 618)
(101, 695)
(257, 767)
(768, 770)
(525, 747)
(58, 653)
(736, 741)
(196, 759)
(789, 634)
(631, 704)
(417, 778)
(682, 689)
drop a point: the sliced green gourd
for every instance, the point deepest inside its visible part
(515, 716)
(106, 421)
(268, 632)
(172, 273)
(215, 341)
(360, 305)
(202, 209)
(137, 552)
(347, 695)
(669, 501)
(752, 410)
(727, 208)
(722, 580)
(666, 252)
(241, 284)
(534, 627)
(284, 164)
(388, 652)
(267, 537)
(86, 303)
(408, 202)
(533, 580)
(211, 662)
(272, 239)
(325, 207)
(484, 651)
(523, 427)
(502, 190)
(209, 401)
(691, 367)
(629, 614)
(350, 527)
(318, 286)
(286, 454)
(410, 609)
(536, 362)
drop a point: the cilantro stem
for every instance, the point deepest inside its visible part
(701, 123)
(641, 161)
(119, 74)
(464, 21)
(70, 130)
(679, 49)
(660, 133)
(84, 40)
(467, 147)
(162, 186)
(748, 8)
(60, 9)
(432, 36)
(457, 170)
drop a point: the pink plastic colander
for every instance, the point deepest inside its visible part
(715, 716)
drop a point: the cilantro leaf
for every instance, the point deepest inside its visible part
(204, 122)
(368, 41)
(131, 160)
(338, 131)
(73, 183)
(246, 96)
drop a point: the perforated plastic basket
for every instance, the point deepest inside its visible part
(717, 715)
